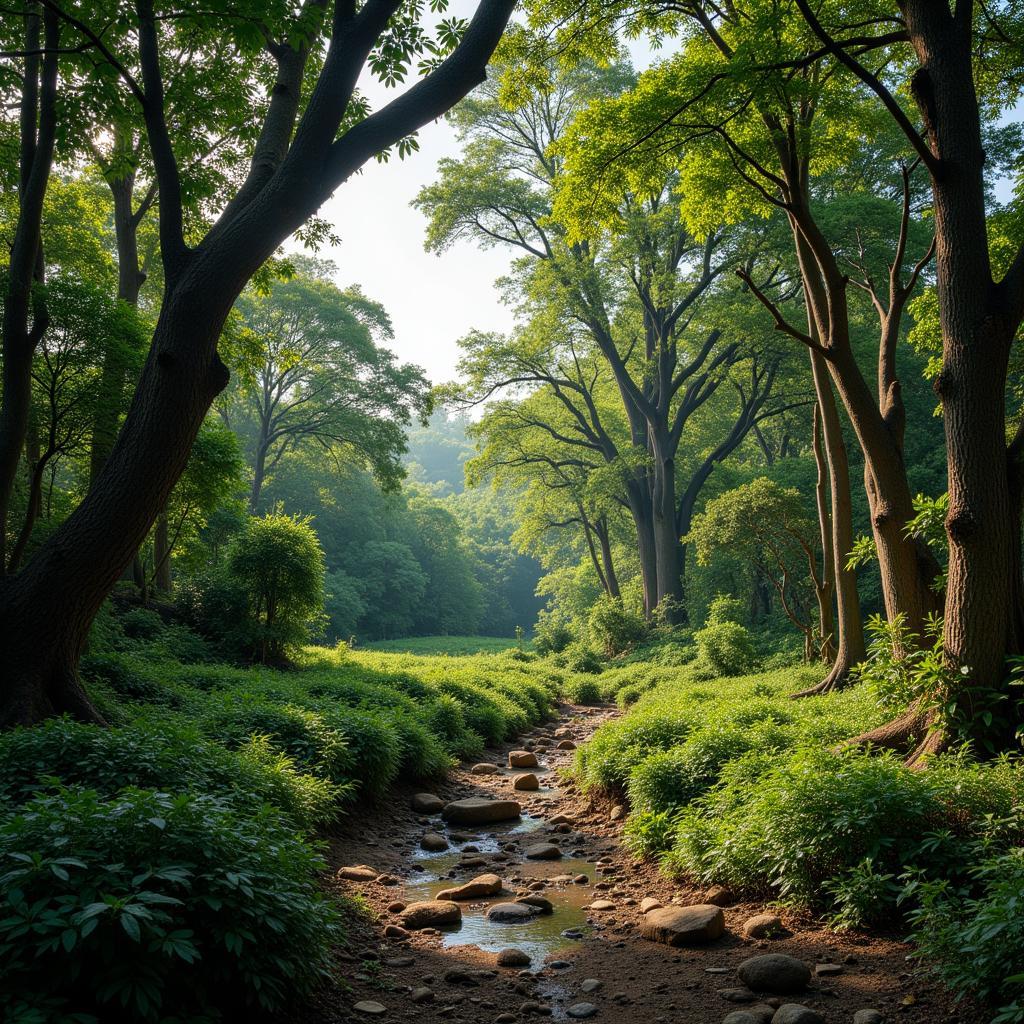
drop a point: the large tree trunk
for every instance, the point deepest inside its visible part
(259, 473)
(640, 509)
(826, 589)
(162, 554)
(666, 541)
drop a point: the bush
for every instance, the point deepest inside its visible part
(725, 648)
(614, 628)
(973, 935)
(580, 657)
(582, 691)
(119, 907)
(551, 636)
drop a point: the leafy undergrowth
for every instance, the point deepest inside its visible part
(731, 782)
(167, 867)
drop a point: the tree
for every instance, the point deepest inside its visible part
(278, 562)
(321, 380)
(766, 525)
(315, 134)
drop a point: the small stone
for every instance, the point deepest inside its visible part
(794, 1013)
(522, 759)
(618, 813)
(513, 958)
(434, 842)
(565, 745)
(868, 1017)
(505, 1018)
(828, 970)
(719, 896)
(762, 926)
(399, 961)
(392, 931)
(737, 995)
(427, 803)
(475, 889)
(386, 880)
(511, 913)
(484, 769)
(358, 873)
(369, 1006)
(581, 880)
(422, 995)
(741, 1017)
(430, 914)
(649, 903)
(542, 903)
(542, 851)
(581, 1011)
(602, 905)
(480, 811)
(397, 907)
(774, 972)
(589, 985)
(683, 926)
(526, 781)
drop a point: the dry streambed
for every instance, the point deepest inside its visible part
(505, 896)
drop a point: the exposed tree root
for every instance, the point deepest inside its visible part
(914, 733)
(838, 677)
(60, 693)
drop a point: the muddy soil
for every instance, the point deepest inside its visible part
(577, 954)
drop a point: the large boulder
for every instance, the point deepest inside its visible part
(430, 914)
(480, 811)
(774, 972)
(427, 803)
(475, 889)
(522, 759)
(683, 926)
(511, 913)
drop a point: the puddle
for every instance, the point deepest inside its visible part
(539, 937)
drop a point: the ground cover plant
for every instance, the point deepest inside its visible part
(172, 857)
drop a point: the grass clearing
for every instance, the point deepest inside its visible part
(456, 646)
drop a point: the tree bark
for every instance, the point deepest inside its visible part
(162, 554)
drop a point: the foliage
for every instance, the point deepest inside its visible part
(725, 648)
(279, 564)
(145, 903)
(613, 627)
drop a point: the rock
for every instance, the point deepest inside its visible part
(560, 819)
(386, 880)
(430, 914)
(369, 1006)
(506, 1018)
(484, 769)
(868, 1017)
(737, 995)
(774, 972)
(741, 1017)
(392, 931)
(513, 958)
(542, 903)
(581, 1011)
(794, 1013)
(589, 985)
(602, 905)
(399, 961)
(480, 811)
(719, 896)
(358, 873)
(828, 970)
(422, 995)
(527, 781)
(475, 889)
(427, 803)
(511, 913)
(762, 926)
(542, 851)
(581, 880)
(397, 907)
(683, 926)
(649, 903)
(762, 1012)
(522, 759)
(618, 813)
(434, 842)
(565, 745)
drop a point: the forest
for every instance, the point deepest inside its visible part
(651, 647)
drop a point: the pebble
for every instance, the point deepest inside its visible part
(774, 972)
(828, 970)
(369, 1006)
(762, 926)
(683, 926)
(434, 842)
(484, 769)
(649, 903)
(589, 985)
(526, 781)
(618, 813)
(581, 1011)
(513, 958)
(868, 1017)
(507, 913)
(427, 803)
(522, 759)
(358, 873)
(795, 1013)
(602, 905)
(422, 995)
(542, 851)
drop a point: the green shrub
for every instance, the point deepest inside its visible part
(163, 755)
(580, 690)
(613, 627)
(550, 635)
(973, 935)
(725, 608)
(120, 907)
(581, 657)
(726, 648)
(122, 675)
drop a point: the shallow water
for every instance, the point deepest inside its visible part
(539, 937)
